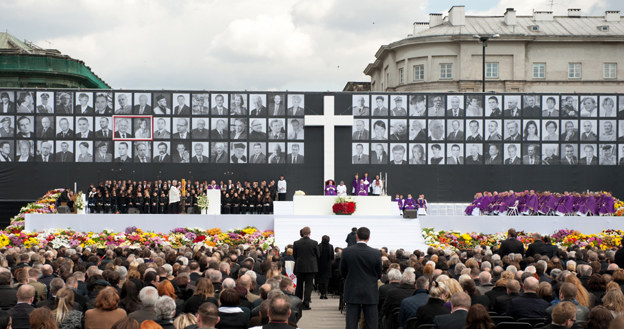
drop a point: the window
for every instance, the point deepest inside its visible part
(446, 71)
(419, 72)
(534, 28)
(603, 28)
(401, 76)
(539, 70)
(610, 70)
(491, 70)
(574, 70)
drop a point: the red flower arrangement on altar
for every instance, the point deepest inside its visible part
(343, 206)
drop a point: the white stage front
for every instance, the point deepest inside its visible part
(322, 205)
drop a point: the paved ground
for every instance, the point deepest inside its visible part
(323, 315)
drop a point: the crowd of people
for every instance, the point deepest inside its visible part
(171, 197)
(542, 203)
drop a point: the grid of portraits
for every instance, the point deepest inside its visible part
(501, 129)
(151, 127)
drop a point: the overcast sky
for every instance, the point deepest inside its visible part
(314, 45)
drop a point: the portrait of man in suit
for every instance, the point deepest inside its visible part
(512, 132)
(182, 108)
(85, 128)
(218, 153)
(257, 105)
(589, 131)
(455, 155)
(551, 108)
(550, 155)
(64, 126)
(276, 127)
(64, 103)
(102, 104)
(380, 109)
(200, 104)
(417, 130)
(455, 109)
(102, 153)
(456, 132)
(436, 106)
(474, 154)
(142, 106)
(360, 131)
(199, 152)
(360, 106)
(85, 104)
(142, 151)
(398, 110)
(277, 106)
(379, 154)
(295, 154)
(45, 105)
(398, 129)
(219, 128)
(123, 103)
(239, 129)
(161, 152)
(295, 129)
(181, 154)
(277, 155)
(512, 156)
(219, 107)
(569, 154)
(182, 127)
(123, 152)
(257, 129)
(296, 108)
(25, 126)
(46, 151)
(399, 155)
(7, 130)
(123, 129)
(359, 157)
(45, 129)
(474, 131)
(493, 107)
(436, 130)
(531, 155)
(64, 151)
(531, 107)
(162, 129)
(494, 157)
(589, 155)
(7, 104)
(259, 153)
(199, 129)
(6, 151)
(512, 110)
(571, 131)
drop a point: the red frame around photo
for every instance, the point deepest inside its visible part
(151, 117)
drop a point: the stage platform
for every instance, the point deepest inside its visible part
(322, 205)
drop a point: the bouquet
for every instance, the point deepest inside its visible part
(343, 206)
(79, 204)
(202, 201)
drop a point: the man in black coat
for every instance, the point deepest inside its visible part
(20, 313)
(460, 303)
(351, 240)
(529, 304)
(360, 266)
(536, 247)
(511, 245)
(306, 254)
(563, 316)
(8, 297)
(619, 256)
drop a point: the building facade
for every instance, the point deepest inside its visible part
(538, 53)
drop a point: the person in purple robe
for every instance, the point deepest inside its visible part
(410, 203)
(355, 185)
(472, 206)
(608, 204)
(532, 202)
(421, 202)
(484, 204)
(330, 187)
(213, 186)
(399, 201)
(367, 181)
(521, 198)
(363, 189)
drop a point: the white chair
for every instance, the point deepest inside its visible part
(513, 210)
(422, 212)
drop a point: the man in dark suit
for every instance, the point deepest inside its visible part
(512, 152)
(379, 155)
(494, 157)
(104, 131)
(256, 132)
(142, 108)
(8, 297)
(122, 131)
(219, 155)
(296, 110)
(532, 158)
(276, 106)
(457, 134)
(44, 130)
(199, 156)
(535, 247)
(181, 109)
(531, 109)
(460, 303)
(569, 158)
(6, 106)
(258, 156)
(200, 132)
(306, 254)
(20, 313)
(182, 126)
(259, 108)
(455, 111)
(529, 304)
(220, 131)
(83, 108)
(45, 156)
(360, 266)
(359, 157)
(219, 108)
(64, 155)
(511, 245)
(162, 156)
(294, 157)
(589, 159)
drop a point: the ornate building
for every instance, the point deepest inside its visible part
(538, 53)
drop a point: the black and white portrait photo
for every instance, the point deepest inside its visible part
(607, 107)
(588, 154)
(162, 152)
(531, 106)
(6, 151)
(7, 102)
(162, 128)
(142, 152)
(238, 152)
(104, 151)
(200, 128)
(200, 104)
(360, 130)
(569, 131)
(219, 152)
(25, 102)
(295, 129)
(513, 132)
(436, 105)
(162, 104)
(257, 105)
(531, 130)
(103, 103)
(64, 151)
(123, 152)
(550, 154)
(296, 106)
(84, 128)
(295, 153)
(620, 130)
(455, 130)
(436, 130)
(219, 104)
(84, 104)
(531, 154)
(379, 131)
(123, 128)
(494, 155)
(360, 105)
(201, 152)
(277, 153)
(398, 106)
(277, 129)
(219, 128)
(512, 154)
(238, 105)
(84, 151)
(44, 127)
(569, 106)
(181, 105)
(418, 130)
(550, 130)
(589, 130)
(474, 106)
(620, 106)
(380, 106)
(180, 151)
(398, 129)
(359, 153)
(607, 155)
(44, 151)
(123, 103)
(589, 106)
(417, 106)
(436, 153)
(418, 154)
(142, 128)
(24, 150)
(455, 106)
(455, 154)
(378, 153)
(238, 128)
(7, 126)
(181, 128)
(474, 130)
(277, 105)
(257, 129)
(474, 154)
(493, 106)
(550, 106)
(142, 104)
(607, 131)
(25, 126)
(398, 153)
(569, 154)
(64, 103)
(257, 152)
(512, 106)
(45, 102)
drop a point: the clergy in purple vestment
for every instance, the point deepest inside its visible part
(409, 203)
(363, 189)
(355, 185)
(330, 188)
(399, 201)
(213, 186)
(367, 181)
(532, 202)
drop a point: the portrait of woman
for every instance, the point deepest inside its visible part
(84, 155)
(418, 155)
(531, 132)
(143, 130)
(238, 105)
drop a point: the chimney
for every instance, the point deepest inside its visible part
(574, 12)
(457, 15)
(420, 27)
(510, 16)
(542, 15)
(612, 15)
(435, 20)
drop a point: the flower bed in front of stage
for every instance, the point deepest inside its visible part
(456, 240)
(44, 205)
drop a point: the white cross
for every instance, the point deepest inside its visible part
(328, 121)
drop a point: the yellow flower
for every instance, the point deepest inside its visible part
(466, 237)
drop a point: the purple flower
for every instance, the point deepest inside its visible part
(130, 229)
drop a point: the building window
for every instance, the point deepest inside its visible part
(610, 70)
(539, 70)
(574, 70)
(419, 72)
(446, 71)
(491, 70)
(401, 80)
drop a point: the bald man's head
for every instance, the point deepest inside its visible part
(25, 293)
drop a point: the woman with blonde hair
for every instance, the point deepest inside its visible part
(582, 296)
(204, 292)
(613, 300)
(65, 315)
(438, 294)
(184, 320)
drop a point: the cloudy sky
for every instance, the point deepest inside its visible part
(314, 45)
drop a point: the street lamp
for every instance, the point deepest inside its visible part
(484, 39)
